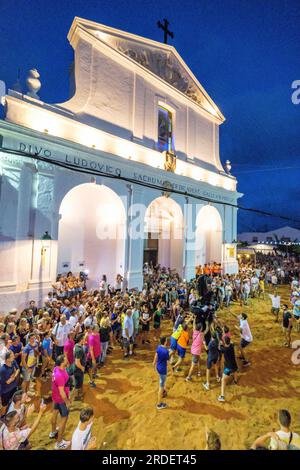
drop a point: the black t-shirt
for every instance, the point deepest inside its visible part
(104, 334)
(229, 357)
(79, 353)
(286, 319)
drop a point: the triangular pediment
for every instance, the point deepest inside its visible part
(160, 59)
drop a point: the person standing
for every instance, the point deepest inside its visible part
(287, 325)
(104, 331)
(47, 349)
(160, 363)
(127, 333)
(9, 379)
(199, 330)
(60, 335)
(145, 320)
(213, 356)
(275, 305)
(94, 353)
(29, 361)
(61, 402)
(79, 366)
(230, 365)
(246, 336)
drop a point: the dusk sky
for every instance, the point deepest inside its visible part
(246, 54)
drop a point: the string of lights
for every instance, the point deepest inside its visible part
(72, 167)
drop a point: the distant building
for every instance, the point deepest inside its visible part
(284, 234)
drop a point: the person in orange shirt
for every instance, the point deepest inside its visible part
(199, 271)
(182, 345)
(206, 269)
(215, 269)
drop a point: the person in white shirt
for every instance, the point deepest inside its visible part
(60, 334)
(82, 437)
(103, 286)
(286, 440)
(274, 280)
(127, 333)
(275, 305)
(254, 285)
(3, 349)
(246, 336)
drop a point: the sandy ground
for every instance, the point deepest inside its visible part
(125, 396)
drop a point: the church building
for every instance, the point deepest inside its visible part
(126, 172)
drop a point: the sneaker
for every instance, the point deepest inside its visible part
(206, 386)
(130, 353)
(188, 379)
(62, 445)
(92, 384)
(221, 398)
(246, 363)
(53, 434)
(218, 379)
(161, 406)
(165, 394)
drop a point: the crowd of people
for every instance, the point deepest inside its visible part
(72, 334)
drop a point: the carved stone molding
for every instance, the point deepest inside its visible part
(164, 65)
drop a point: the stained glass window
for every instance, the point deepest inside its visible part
(165, 130)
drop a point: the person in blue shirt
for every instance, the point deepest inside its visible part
(47, 350)
(160, 363)
(9, 378)
(16, 347)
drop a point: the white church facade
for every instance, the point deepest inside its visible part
(125, 172)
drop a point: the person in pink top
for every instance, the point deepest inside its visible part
(94, 353)
(199, 330)
(69, 349)
(61, 401)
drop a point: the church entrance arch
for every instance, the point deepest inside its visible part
(163, 243)
(91, 233)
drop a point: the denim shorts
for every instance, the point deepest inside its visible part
(28, 374)
(162, 380)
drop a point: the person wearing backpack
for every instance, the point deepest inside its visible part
(29, 361)
(287, 440)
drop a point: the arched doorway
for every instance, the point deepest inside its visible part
(91, 233)
(208, 236)
(164, 234)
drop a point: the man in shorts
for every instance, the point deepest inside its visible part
(160, 363)
(127, 333)
(61, 402)
(230, 365)
(213, 357)
(287, 325)
(79, 366)
(275, 305)
(246, 336)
